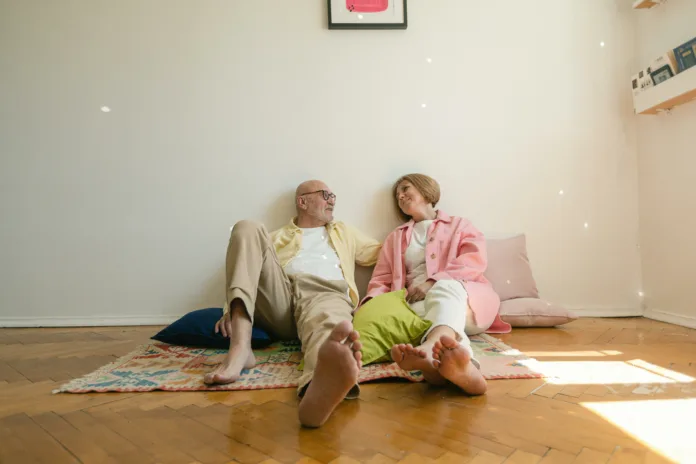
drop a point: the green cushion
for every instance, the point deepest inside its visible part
(385, 321)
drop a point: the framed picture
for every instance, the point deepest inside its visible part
(662, 75)
(367, 14)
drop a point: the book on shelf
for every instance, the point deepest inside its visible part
(663, 68)
(641, 82)
(685, 55)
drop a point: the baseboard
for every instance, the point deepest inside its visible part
(672, 318)
(86, 321)
(601, 311)
(116, 321)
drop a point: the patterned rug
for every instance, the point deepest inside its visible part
(160, 366)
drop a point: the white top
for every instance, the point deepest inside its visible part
(316, 257)
(416, 272)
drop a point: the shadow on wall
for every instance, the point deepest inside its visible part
(382, 215)
(280, 211)
(212, 293)
(362, 278)
(383, 219)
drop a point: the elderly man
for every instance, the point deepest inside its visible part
(299, 280)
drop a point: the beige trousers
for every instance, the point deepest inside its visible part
(285, 306)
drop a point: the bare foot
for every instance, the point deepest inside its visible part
(237, 359)
(338, 366)
(456, 366)
(417, 359)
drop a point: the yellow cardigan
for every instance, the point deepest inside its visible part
(351, 245)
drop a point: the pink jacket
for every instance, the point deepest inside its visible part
(455, 250)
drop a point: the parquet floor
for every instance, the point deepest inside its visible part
(625, 393)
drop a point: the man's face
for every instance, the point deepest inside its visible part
(319, 202)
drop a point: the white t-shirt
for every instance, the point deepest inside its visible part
(416, 271)
(316, 257)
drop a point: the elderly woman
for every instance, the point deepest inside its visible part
(440, 260)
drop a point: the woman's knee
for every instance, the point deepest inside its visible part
(447, 287)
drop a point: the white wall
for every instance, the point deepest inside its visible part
(667, 167)
(219, 109)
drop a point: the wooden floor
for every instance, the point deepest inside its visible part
(624, 394)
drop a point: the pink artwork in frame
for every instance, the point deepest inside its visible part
(367, 14)
(367, 6)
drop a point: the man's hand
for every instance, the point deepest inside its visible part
(418, 293)
(224, 325)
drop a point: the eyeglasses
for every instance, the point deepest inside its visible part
(327, 195)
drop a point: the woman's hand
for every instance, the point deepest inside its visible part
(224, 325)
(418, 293)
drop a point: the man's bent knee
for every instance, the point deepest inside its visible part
(248, 227)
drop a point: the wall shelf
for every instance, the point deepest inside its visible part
(646, 4)
(673, 92)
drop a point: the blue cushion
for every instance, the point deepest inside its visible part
(197, 328)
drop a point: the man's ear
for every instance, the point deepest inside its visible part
(301, 202)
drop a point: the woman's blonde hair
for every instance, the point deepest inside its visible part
(426, 185)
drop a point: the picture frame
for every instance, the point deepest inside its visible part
(661, 75)
(367, 14)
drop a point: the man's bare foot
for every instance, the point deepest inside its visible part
(338, 366)
(455, 365)
(417, 359)
(237, 359)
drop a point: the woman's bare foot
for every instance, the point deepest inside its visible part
(417, 359)
(455, 365)
(237, 359)
(338, 366)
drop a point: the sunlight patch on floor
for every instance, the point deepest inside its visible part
(676, 376)
(566, 354)
(663, 425)
(605, 372)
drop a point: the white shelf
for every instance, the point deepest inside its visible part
(673, 92)
(646, 4)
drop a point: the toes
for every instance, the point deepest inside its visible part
(358, 357)
(353, 336)
(437, 349)
(416, 351)
(396, 354)
(356, 346)
(213, 379)
(342, 330)
(449, 342)
(398, 348)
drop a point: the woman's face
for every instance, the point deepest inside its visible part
(409, 198)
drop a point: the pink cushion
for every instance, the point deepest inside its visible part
(508, 268)
(533, 312)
